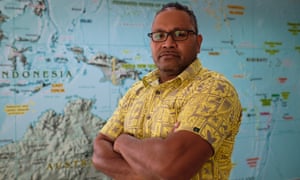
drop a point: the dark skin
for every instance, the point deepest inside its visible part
(110, 162)
(172, 57)
(182, 153)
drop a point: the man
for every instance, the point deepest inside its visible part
(180, 121)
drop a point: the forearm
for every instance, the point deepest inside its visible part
(179, 156)
(140, 155)
(111, 163)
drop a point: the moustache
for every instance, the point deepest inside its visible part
(168, 53)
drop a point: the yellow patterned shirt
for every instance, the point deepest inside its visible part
(203, 101)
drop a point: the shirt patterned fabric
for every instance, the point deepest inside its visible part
(203, 101)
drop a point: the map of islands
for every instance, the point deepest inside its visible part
(65, 64)
(58, 146)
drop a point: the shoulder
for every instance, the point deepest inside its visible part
(132, 93)
(212, 82)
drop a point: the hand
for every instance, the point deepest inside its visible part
(120, 140)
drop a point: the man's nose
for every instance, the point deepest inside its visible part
(169, 42)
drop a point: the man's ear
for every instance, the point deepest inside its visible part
(199, 42)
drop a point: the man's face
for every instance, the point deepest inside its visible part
(172, 57)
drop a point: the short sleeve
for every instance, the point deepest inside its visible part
(115, 124)
(211, 113)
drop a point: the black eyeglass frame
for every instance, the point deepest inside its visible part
(172, 33)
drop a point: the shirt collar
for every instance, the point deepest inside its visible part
(191, 71)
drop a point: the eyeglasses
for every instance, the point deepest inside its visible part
(177, 35)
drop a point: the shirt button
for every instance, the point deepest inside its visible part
(148, 117)
(157, 92)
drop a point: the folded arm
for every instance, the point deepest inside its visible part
(111, 163)
(179, 156)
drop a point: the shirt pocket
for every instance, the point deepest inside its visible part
(164, 117)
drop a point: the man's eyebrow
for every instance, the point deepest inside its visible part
(158, 30)
(174, 29)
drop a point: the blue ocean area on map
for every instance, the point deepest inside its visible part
(64, 65)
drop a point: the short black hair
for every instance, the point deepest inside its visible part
(180, 7)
